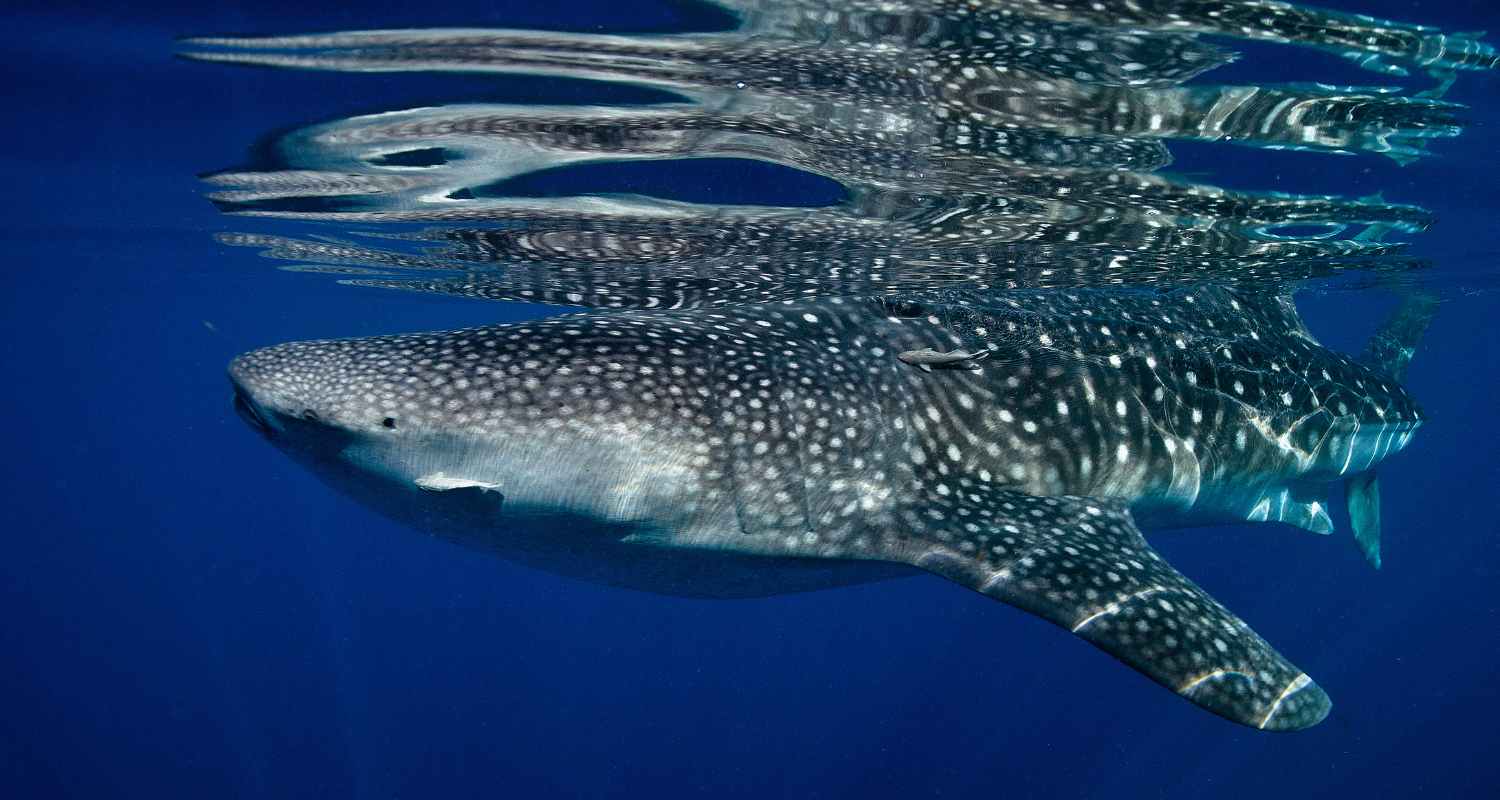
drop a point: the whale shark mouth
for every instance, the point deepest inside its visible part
(250, 413)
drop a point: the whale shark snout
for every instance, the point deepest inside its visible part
(306, 381)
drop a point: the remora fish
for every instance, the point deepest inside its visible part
(780, 447)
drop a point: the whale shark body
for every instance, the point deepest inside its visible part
(766, 448)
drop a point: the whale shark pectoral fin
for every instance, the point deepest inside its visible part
(1362, 495)
(1081, 563)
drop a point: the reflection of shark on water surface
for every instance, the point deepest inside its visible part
(1014, 147)
(782, 447)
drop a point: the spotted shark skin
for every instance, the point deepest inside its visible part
(785, 446)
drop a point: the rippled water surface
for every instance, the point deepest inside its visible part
(708, 399)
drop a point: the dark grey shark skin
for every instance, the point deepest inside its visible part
(784, 446)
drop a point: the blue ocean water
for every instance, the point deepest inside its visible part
(188, 613)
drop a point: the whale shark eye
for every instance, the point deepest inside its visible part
(389, 422)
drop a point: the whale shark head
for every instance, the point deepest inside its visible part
(603, 420)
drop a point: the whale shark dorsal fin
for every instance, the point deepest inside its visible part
(1273, 310)
(1081, 563)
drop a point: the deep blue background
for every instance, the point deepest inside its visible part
(185, 613)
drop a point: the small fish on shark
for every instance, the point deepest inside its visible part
(929, 359)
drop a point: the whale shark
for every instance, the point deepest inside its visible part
(777, 447)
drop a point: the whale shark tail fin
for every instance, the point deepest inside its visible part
(1388, 353)
(1081, 563)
